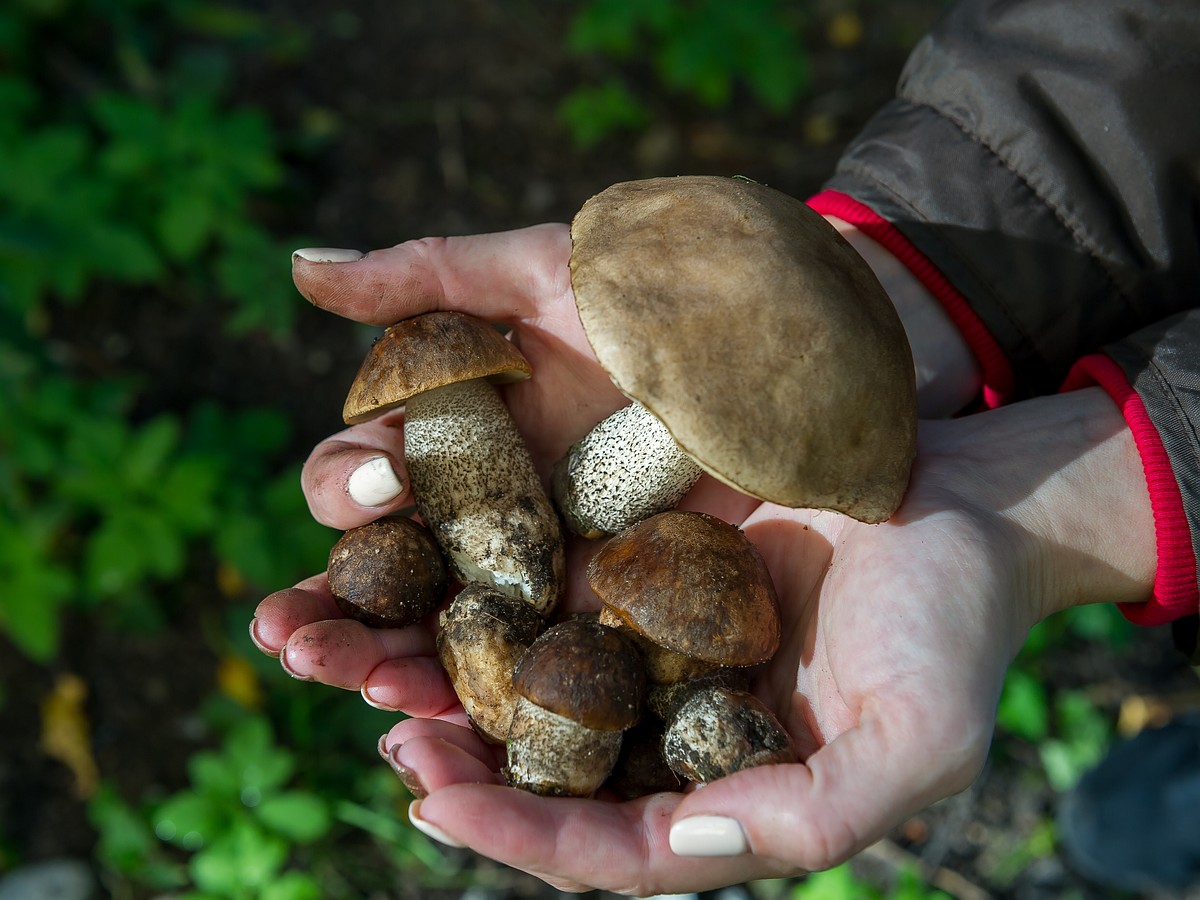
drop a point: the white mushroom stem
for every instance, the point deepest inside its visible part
(477, 490)
(624, 470)
(551, 754)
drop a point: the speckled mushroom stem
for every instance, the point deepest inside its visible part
(476, 488)
(552, 755)
(623, 471)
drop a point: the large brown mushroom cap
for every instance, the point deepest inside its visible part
(693, 584)
(426, 352)
(743, 320)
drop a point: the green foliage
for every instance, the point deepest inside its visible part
(127, 166)
(147, 175)
(240, 824)
(1071, 734)
(99, 510)
(841, 883)
(702, 50)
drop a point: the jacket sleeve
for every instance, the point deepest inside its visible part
(1043, 158)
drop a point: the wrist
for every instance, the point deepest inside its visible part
(947, 373)
(1062, 480)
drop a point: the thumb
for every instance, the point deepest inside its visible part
(816, 814)
(496, 277)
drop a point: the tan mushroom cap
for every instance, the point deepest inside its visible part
(747, 324)
(693, 584)
(426, 352)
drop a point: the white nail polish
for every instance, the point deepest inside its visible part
(708, 836)
(429, 830)
(328, 254)
(374, 483)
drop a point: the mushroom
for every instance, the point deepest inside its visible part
(482, 636)
(751, 331)
(696, 596)
(581, 685)
(388, 573)
(472, 477)
(692, 590)
(717, 731)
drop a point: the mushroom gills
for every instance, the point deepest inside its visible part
(623, 471)
(476, 488)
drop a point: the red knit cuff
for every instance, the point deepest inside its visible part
(997, 374)
(1175, 589)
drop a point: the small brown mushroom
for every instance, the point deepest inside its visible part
(472, 477)
(581, 685)
(692, 590)
(716, 731)
(752, 333)
(482, 637)
(696, 596)
(388, 573)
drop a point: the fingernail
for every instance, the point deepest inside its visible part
(382, 746)
(374, 483)
(328, 254)
(407, 776)
(371, 701)
(708, 836)
(283, 661)
(257, 641)
(427, 828)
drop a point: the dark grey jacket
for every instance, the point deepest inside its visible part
(1045, 156)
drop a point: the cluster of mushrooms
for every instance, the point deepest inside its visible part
(754, 345)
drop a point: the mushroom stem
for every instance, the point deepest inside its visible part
(624, 470)
(476, 488)
(482, 637)
(553, 755)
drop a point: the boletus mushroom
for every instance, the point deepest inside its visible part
(388, 573)
(472, 478)
(696, 597)
(581, 685)
(482, 636)
(752, 333)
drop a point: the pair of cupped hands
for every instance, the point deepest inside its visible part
(896, 636)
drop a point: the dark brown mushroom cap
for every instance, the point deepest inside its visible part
(388, 573)
(693, 584)
(586, 672)
(749, 326)
(427, 352)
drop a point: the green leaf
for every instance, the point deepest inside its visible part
(240, 862)
(292, 886)
(299, 815)
(594, 113)
(189, 820)
(185, 224)
(1024, 709)
(212, 775)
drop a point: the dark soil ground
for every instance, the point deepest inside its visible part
(442, 121)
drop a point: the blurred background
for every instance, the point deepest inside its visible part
(161, 383)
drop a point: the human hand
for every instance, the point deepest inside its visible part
(896, 640)
(897, 637)
(517, 278)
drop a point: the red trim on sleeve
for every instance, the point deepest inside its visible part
(997, 374)
(1175, 589)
